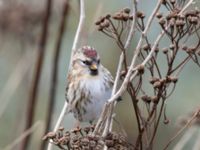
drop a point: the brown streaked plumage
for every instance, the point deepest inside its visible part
(89, 85)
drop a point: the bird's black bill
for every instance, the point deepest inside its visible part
(94, 72)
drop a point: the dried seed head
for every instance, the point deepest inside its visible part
(194, 20)
(107, 16)
(140, 69)
(127, 10)
(125, 16)
(76, 130)
(61, 128)
(172, 2)
(115, 136)
(165, 50)
(174, 79)
(156, 49)
(172, 23)
(87, 130)
(100, 20)
(140, 14)
(153, 80)
(85, 141)
(164, 2)
(166, 121)
(159, 15)
(146, 98)
(154, 99)
(67, 133)
(105, 24)
(147, 47)
(51, 135)
(163, 80)
(92, 144)
(191, 13)
(172, 46)
(185, 48)
(162, 21)
(97, 22)
(131, 17)
(180, 23)
(109, 143)
(118, 16)
(157, 84)
(100, 28)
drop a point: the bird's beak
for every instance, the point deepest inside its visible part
(93, 67)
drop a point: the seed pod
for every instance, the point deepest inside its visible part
(127, 10)
(174, 79)
(165, 50)
(109, 143)
(157, 84)
(61, 128)
(154, 99)
(146, 98)
(172, 2)
(172, 46)
(141, 69)
(147, 47)
(166, 121)
(159, 15)
(140, 14)
(51, 135)
(85, 141)
(162, 21)
(153, 80)
(107, 16)
(125, 16)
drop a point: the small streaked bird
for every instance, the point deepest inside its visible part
(89, 85)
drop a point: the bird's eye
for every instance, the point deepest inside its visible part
(86, 62)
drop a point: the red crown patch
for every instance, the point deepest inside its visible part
(89, 52)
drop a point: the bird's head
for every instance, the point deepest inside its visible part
(86, 60)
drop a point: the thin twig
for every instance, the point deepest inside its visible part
(185, 138)
(188, 124)
(38, 124)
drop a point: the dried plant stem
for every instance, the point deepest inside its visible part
(133, 72)
(186, 137)
(37, 73)
(15, 79)
(54, 73)
(35, 126)
(188, 124)
(121, 60)
(74, 48)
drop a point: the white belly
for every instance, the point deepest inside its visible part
(99, 94)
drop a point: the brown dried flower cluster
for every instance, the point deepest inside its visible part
(181, 27)
(82, 139)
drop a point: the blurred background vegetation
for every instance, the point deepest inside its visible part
(20, 32)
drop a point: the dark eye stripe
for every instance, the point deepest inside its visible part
(87, 62)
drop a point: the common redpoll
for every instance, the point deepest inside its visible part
(89, 85)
